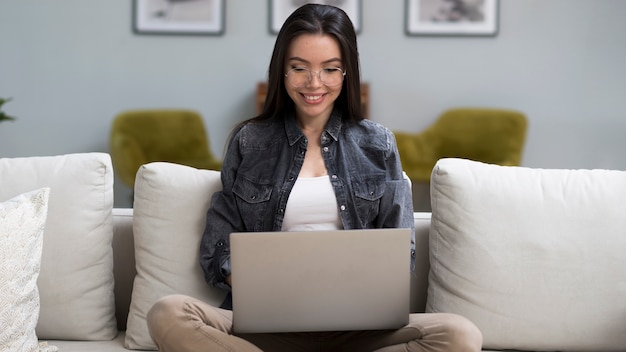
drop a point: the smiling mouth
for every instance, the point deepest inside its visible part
(313, 98)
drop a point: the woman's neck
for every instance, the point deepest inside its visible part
(313, 124)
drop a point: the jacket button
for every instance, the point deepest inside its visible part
(220, 243)
(343, 207)
(326, 149)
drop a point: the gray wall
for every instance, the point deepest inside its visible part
(72, 65)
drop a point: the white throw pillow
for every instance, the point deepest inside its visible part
(170, 208)
(22, 222)
(534, 257)
(76, 278)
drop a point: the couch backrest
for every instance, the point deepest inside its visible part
(124, 262)
(419, 277)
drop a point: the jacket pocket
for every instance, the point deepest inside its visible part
(251, 192)
(252, 199)
(367, 195)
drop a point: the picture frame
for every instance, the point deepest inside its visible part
(279, 10)
(179, 17)
(451, 17)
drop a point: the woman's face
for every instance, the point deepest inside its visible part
(320, 55)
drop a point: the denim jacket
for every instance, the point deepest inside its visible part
(262, 162)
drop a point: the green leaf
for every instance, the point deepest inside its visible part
(3, 115)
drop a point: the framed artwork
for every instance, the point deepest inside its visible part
(186, 17)
(451, 17)
(281, 9)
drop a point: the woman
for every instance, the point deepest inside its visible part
(301, 165)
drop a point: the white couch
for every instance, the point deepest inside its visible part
(533, 257)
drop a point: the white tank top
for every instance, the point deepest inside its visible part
(312, 205)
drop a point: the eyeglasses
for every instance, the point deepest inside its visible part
(300, 77)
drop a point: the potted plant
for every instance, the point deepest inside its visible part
(3, 115)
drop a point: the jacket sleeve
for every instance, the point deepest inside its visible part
(223, 218)
(396, 209)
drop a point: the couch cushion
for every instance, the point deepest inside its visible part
(115, 345)
(534, 257)
(170, 208)
(22, 221)
(76, 278)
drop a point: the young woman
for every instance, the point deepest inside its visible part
(301, 165)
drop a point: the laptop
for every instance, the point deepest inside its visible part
(320, 280)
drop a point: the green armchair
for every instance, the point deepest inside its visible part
(492, 136)
(142, 136)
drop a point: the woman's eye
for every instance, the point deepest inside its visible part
(299, 69)
(332, 69)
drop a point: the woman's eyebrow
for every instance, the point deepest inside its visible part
(296, 58)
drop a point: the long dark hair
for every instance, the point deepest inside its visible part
(315, 19)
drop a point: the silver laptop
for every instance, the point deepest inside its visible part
(320, 280)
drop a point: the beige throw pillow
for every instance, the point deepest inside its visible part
(22, 222)
(534, 257)
(170, 208)
(76, 278)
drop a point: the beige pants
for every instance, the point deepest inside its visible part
(180, 323)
